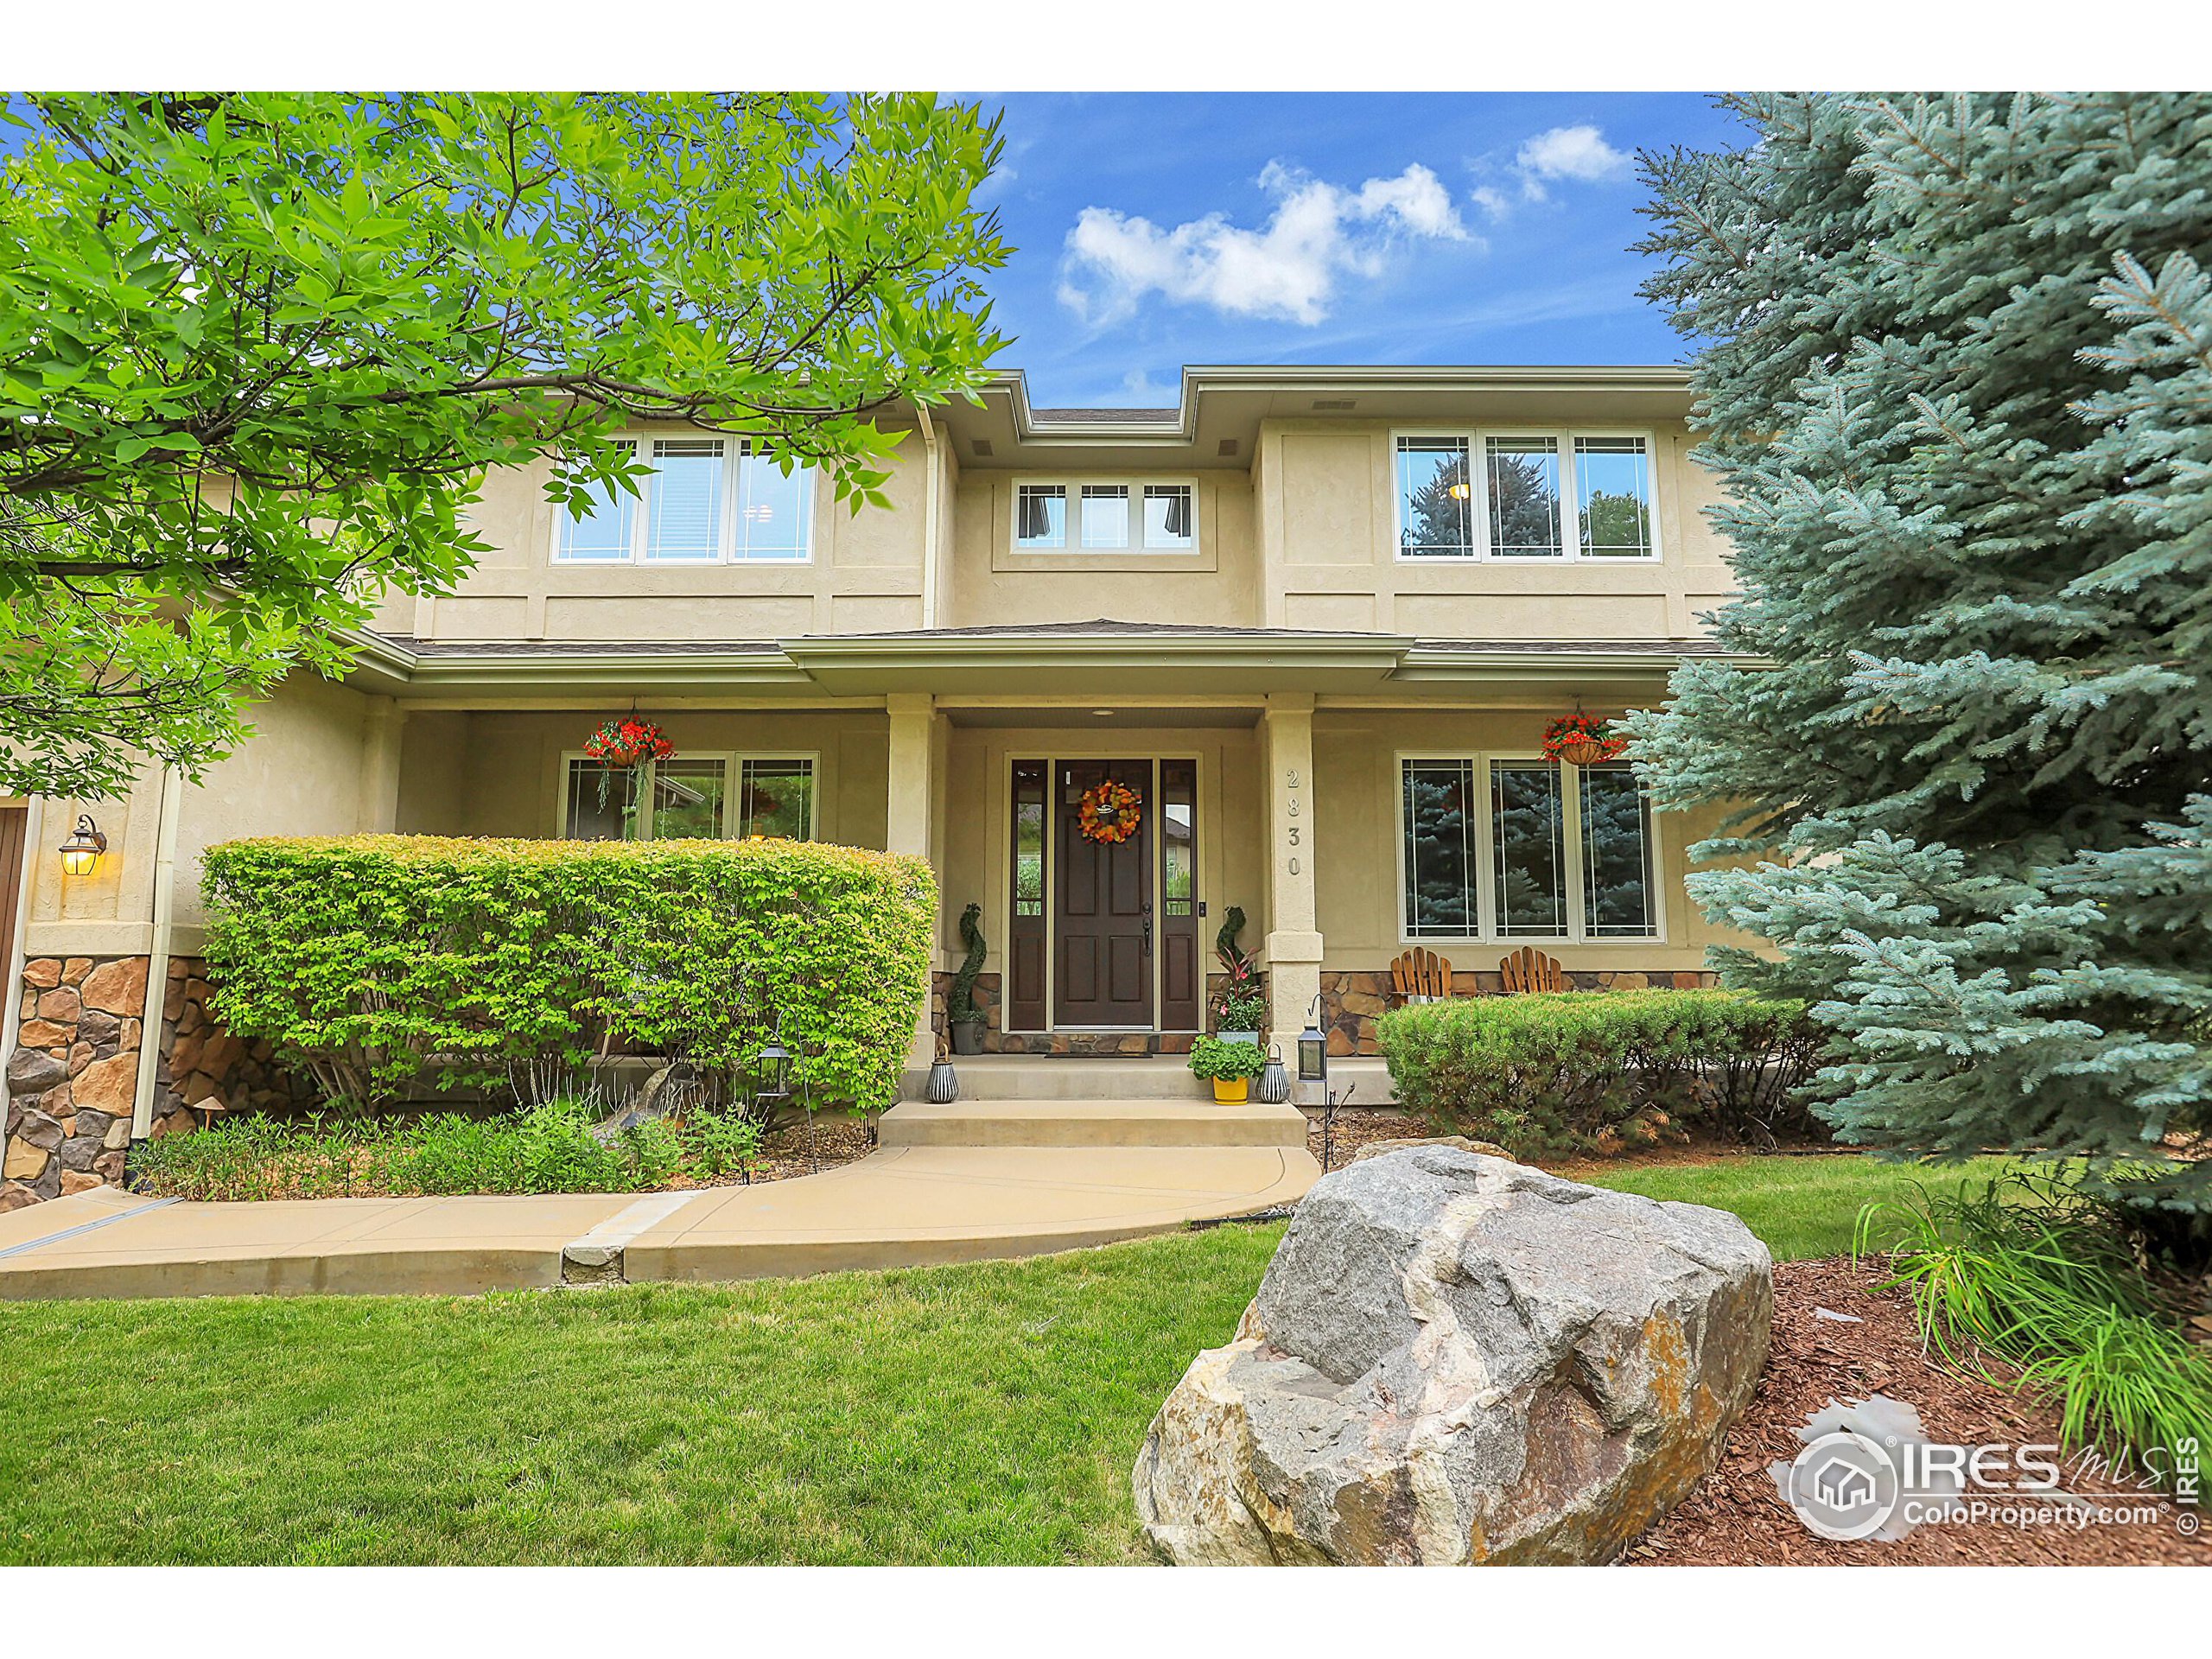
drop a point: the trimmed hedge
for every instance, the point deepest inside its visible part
(380, 964)
(1553, 1072)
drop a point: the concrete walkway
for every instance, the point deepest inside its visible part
(903, 1206)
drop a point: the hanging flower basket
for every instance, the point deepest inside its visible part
(619, 745)
(1109, 812)
(1583, 740)
(624, 746)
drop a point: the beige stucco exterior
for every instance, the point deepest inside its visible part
(918, 652)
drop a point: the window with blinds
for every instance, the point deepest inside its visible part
(706, 501)
(1119, 515)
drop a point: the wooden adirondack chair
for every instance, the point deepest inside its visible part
(1421, 975)
(1530, 970)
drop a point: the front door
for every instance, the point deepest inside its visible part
(1102, 920)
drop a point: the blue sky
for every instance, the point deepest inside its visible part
(1154, 230)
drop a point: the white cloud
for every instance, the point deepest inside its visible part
(1579, 153)
(1492, 200)
(1318, 233)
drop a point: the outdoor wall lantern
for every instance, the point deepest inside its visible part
(1313, 1048)
(80, 854)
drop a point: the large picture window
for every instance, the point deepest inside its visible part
(1515, 847)
(691, 798)
(707, 501)
(1525, 495)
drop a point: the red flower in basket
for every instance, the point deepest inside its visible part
(1583, 739)
(622, 744)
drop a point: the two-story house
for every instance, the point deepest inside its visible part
(1314, 620)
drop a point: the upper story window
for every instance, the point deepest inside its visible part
(709, 501)
(1527, 494)
(1105, 515)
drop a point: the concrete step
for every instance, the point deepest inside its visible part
(1031, 1077)
(1090, 1123)
(1364, 1080)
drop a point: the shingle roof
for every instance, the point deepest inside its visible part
(578, 647)
(1103, 417)
(1693, 647)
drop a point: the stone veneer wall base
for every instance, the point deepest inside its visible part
(73, 1077)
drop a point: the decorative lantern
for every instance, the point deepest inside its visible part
(80, 854)
(1313, 1049)
(1273, 1086)
(943, 1086)
(774, 1068)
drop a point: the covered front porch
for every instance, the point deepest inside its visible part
(1106, 799)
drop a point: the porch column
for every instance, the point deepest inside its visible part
(1293, 938)
(380, 804)
(909, 785)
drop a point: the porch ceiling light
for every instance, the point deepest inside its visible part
(80, 854)
(1313, 1048)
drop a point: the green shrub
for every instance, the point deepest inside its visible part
(719, 1144)
(383, 964)
(2049, 1275)
(1551, 1072)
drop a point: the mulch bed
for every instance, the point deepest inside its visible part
(1361, 1127)
(1737, 1518)
(838, 1138)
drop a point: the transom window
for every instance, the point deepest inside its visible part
(1507, 847)
(1525, 494)
(1108, 515)
(708, 501)
(700, 796)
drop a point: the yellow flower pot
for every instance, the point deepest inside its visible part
(1231, 1091)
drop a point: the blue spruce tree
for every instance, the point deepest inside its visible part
(1955, 370)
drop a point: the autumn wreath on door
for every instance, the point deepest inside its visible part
(1109, 812)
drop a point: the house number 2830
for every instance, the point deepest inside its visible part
(1291, 808)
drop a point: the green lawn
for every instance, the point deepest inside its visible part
(975, 1413)
(1799, 1207)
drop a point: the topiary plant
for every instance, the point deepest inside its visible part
(961, 1005)
(1241, 984)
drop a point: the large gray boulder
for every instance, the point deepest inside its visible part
(1456, 1359)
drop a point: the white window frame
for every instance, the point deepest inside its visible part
(732, 772)
(1072, 536)
(735, 451)
(1476, 439)
(1577, 932)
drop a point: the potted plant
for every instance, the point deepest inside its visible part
(1238, 1016)
(624, 745)
(1230, 1067)
(1583, 739)
(1240, 1008)
(961, 1012)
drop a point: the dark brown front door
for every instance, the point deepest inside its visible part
(1103, 922)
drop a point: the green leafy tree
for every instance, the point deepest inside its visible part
(1956, 375)
(257, 352)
